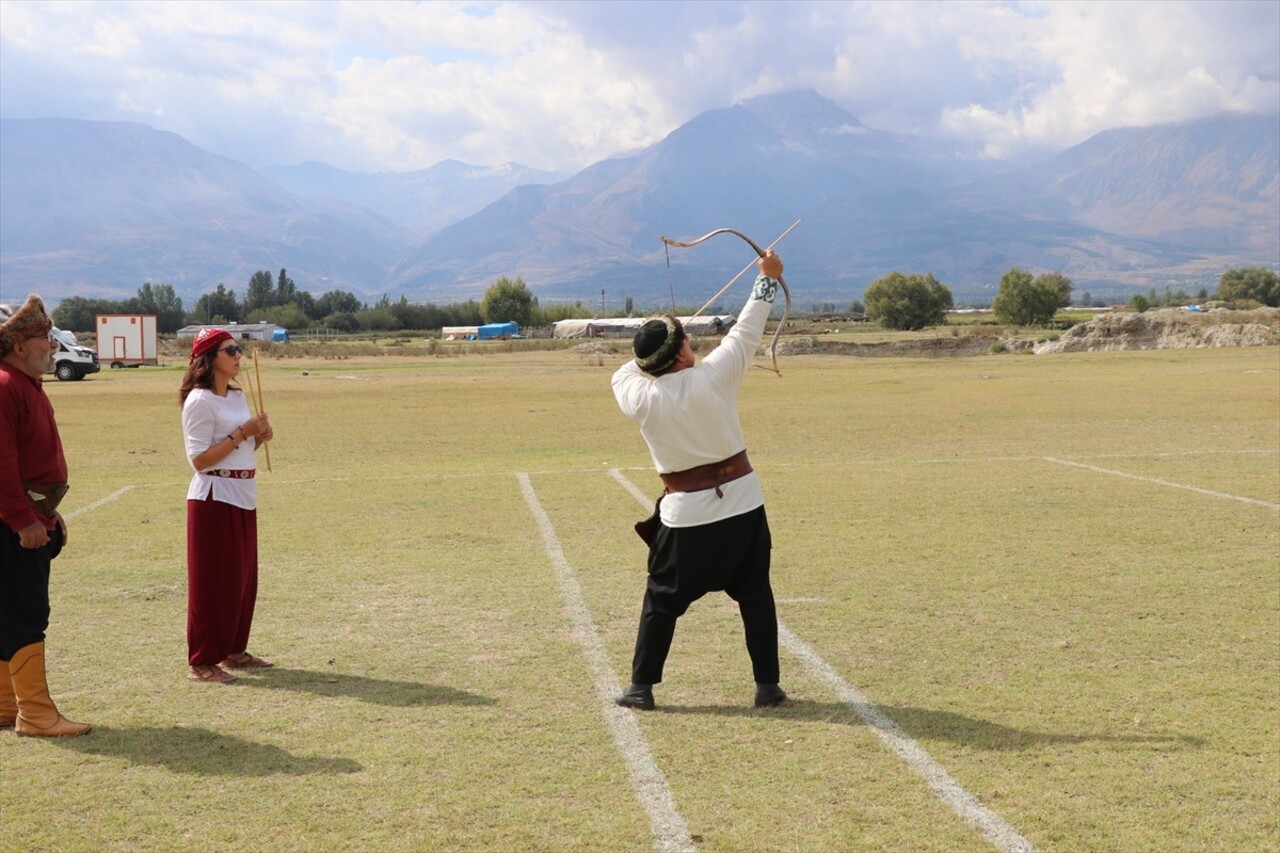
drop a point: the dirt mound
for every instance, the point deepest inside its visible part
(1170, 328)
(920, 348)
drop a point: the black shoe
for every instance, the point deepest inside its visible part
(637, 696)
(768, 695)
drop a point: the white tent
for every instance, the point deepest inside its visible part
(624, 326)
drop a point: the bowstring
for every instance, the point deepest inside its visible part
(670, 282)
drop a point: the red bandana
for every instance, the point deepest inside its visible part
(207, 339)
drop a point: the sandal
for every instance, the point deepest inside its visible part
(244, 660)
(213, 674)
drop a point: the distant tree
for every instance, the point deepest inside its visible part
(1058, 282)
(914, 301)
(260, 293)
(1086, 299)
(77, 313)
(286, 290)
(549, 314)
(342, 321)
(630, 306)
(162, 301)
(288, 316)
(1139, 303)
(378, 319)
(307, 303)
(1202, 295)
(462, 314)
(219, 303)
(1024, 301)
(337, 302)
(411, 316)
(1257, 283)
(507, 300)
(856, 307)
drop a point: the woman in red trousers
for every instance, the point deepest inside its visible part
(222, 522)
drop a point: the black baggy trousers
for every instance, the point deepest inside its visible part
(685, 563)
(24, 590)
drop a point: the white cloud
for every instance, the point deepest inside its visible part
(403, 85)
(1105, 65)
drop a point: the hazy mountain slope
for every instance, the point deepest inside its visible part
(871, 203)
(422, 202)
(1213, 184)
(97, 208)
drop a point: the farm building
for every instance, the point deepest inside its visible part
(240, 331)
(628, 326)
(456, 333)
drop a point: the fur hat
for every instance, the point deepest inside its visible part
(207, 339)
(29, 321)
(658, 343)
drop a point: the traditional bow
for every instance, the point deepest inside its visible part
(786, 312)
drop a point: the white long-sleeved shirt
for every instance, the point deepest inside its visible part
(690, 417)
(206, 420)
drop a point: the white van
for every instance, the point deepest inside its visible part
(72, 361)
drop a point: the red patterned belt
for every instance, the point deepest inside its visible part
(231, 473)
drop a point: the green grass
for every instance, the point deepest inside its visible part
(1095, 657)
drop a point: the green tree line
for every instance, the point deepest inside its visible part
(898, 300)
(268, 299)
(914, 301)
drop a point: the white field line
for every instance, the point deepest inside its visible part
(1160, 482)
(994, 828)
(90, 507)
(670, 832)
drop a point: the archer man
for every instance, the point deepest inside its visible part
(710, 532)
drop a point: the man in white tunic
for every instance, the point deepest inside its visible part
(713, 533)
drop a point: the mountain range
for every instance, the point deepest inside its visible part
(97, 208)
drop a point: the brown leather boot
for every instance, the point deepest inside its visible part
(8, 704)
(37, 715)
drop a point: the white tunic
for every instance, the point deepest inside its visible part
(206, 420)
(690, 417)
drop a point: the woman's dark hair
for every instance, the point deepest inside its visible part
(199, 375)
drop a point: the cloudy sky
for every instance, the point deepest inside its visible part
(396, 86)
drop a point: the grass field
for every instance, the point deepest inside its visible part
(1054, 581)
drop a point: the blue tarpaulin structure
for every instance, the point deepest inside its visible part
(492, 331)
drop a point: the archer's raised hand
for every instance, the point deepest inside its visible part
(770, 264)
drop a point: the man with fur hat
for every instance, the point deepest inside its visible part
(711, 531)
(33, 479)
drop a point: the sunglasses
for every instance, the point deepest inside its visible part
(232, 350)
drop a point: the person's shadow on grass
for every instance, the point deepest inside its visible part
(377, 691)
(201, 752)
(923, 724)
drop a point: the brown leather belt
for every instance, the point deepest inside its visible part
(45, 496)
(711, 476)
(231, 473)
